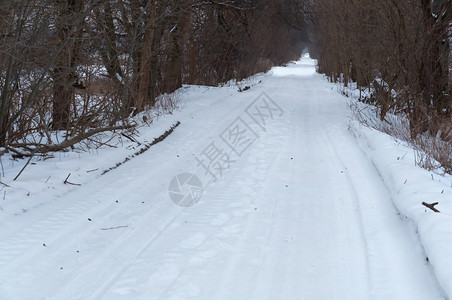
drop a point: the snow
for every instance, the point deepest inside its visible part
(119, 77)
(303, 208)
(410, 187)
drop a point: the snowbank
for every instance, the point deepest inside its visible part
(409, 186)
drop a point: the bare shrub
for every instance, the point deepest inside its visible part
(168, 103)
(71, 68)
(432, 152)
(400, 52)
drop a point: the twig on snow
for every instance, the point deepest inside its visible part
(431, 206)
(117, 227)
(4, 184)
(68, 182)
(28, 161)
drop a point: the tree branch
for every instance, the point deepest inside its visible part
(431, 206)
(70, 142)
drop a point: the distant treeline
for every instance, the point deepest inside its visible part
(398, 49)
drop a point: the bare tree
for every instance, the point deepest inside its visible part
(83, 66)
(68, 36)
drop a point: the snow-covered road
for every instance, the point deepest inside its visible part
(301, 213)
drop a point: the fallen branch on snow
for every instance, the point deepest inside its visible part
(68, 182)
(117, 227)
(40, 148)
(431, 206)
(145, 148)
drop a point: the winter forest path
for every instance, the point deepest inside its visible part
(300, 213)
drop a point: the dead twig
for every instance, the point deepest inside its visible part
(39, 148)
(117, 227)
(28, 161)
(68, 182)
(100, 143)
(17, 154)
(4, 184)
(431, 206)
(146, 147)
(133, 140)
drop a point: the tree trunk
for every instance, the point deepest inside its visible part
(63, 74)
(192, 60)
(174, 60)
(145, 89)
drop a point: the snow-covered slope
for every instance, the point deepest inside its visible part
(285, 206)
(410, 186)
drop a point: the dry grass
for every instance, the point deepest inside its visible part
(432, 152)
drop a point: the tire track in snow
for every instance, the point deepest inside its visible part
(272, 228)
(393, 255)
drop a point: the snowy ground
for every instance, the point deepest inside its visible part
(295, 205)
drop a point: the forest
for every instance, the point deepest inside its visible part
(225, 149)
(73, 68)
(397, 53)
